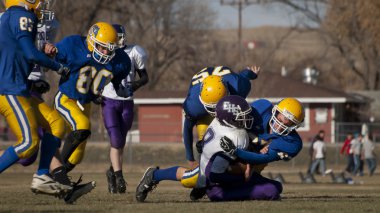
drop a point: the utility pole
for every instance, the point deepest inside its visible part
(240, 4)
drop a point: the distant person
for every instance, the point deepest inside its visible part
(319, 155)
(369, 154)
(356, 146)
(319, 136)
(347, 151)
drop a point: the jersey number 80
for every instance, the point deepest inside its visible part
(89, 76)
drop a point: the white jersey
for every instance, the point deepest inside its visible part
(138, 58)
(211, 146)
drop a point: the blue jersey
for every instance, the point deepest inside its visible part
(280, 147)
(237, 84)
(87, 77)
(18, 28)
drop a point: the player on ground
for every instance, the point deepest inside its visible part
(94, 61)
(118, 111)
(18, 26)
(207, 87)
(232, 118)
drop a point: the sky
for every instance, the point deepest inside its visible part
(254, 15)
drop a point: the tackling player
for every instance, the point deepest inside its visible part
(18, 26)
(274, 127)
(207, 87)
(118, 111)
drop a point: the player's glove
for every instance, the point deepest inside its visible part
(199, 146)
(64, 72)
(40, 86)
(124, 91)
(227, 145)
(98, 100)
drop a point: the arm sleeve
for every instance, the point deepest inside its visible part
(257, 158)
(247, 73)
(142, 81)
(219, 173)
(35, 56)
(188, 138)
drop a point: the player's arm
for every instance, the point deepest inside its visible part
(188, 126)
(34, 56)
(141, 58)
(144, 79)
(258, 158)
(219, 171)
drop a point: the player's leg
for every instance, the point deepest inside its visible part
(21, 119)
(153, 176)
(113, 116)
(258, 188)
(80, 125)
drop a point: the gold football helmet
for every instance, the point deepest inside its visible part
(287, 116)
(32, 5)
(212, 90)
(102, 42)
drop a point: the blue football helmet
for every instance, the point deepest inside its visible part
(234, 111)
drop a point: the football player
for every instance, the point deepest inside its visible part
(232, 120)
(118, 111)
(94, 61)
(206, 88)
(274, 128)
(18, 28)
(51, 123)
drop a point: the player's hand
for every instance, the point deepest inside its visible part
(124, 91)
(255, 69)
(264, 150)
(40, 86)
(64, 72)
(227, 145)
(50, 49)
(98, 100)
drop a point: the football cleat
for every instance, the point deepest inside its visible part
(197, 193)
(111, 179)
(121, 185)
(43, 184)
(146, 184)
(78, 191)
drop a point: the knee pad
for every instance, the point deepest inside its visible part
(190, 178)
(80, 135)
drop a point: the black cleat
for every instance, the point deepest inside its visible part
(146, 184)
(79, 190)
(111, 179)
(121, 185)
(197, 193)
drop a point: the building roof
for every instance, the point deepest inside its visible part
(269, 85)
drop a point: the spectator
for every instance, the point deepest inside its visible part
(356, 146)
(369, 155)
(346, 150)
(319, 136)
(319, 154)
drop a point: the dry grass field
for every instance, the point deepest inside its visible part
(15, 195)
